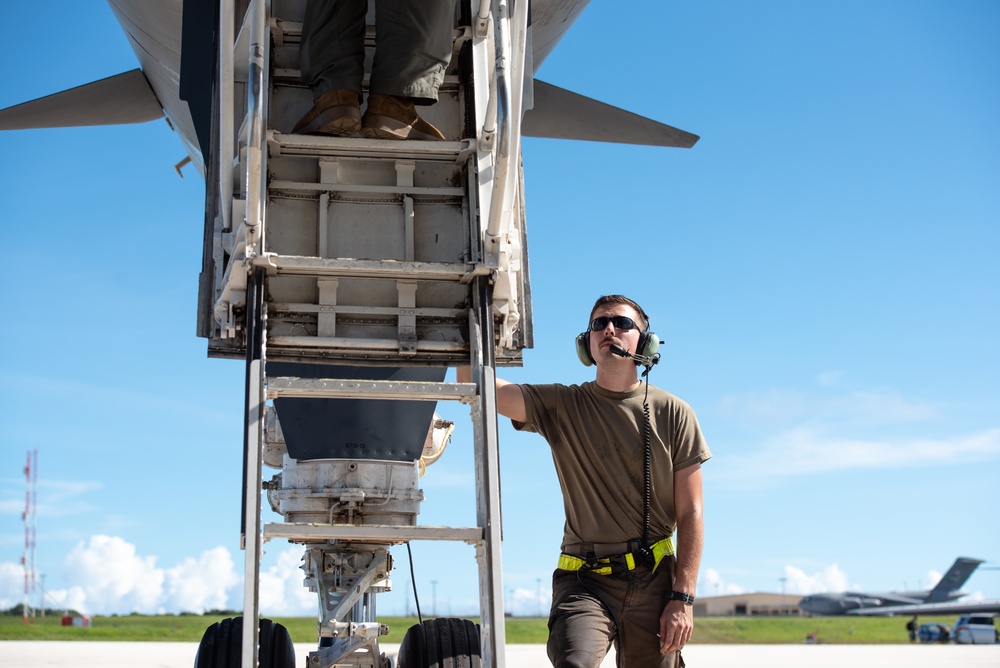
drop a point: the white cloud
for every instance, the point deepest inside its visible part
(830, 578)
(59, 498)
(197, 585)
(280, 587)
(105, 575)
(527, 602)
(11, 585)
(710, 583)
(785, 408)
(113, 577)
(794, 581)
(805, 451)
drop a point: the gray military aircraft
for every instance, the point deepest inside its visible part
(174, 42)
(842, 603)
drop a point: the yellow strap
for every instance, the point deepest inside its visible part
(660, 549)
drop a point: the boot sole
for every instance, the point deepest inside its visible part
(338, 121)
(376, 126)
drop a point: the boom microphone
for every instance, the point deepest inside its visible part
(641, 359)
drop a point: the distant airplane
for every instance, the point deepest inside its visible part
(842, 603)
(951, 608)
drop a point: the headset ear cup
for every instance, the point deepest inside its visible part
(640, 346)
(650, 346)
(583, 349)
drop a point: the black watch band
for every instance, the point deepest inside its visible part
(681, 596)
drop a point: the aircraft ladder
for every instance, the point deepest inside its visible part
(353, 269)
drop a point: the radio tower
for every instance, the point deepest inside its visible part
(28, 560)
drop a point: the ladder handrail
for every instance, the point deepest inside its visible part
(256, 95)
(255, 199)
(508, 101)
(227, 11)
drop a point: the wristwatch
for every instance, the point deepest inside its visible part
(681, 596)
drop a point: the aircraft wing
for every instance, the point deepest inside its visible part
(561, 114)
(121, 99)
(953, 607)
(893, 598)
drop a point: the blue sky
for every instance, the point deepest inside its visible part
(822, 268)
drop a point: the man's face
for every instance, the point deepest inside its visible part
(602, 339)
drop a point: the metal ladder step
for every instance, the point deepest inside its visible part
(286, 144)
(297, 265)
(334, 388)
(373, 533)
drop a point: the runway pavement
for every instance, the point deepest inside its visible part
(21, 654)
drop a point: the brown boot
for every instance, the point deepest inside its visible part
(335, 113)
(391, 117)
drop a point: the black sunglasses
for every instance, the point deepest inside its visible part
(619, 321)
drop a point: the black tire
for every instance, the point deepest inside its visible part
(440, 643)
(222, 645)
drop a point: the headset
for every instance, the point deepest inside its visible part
(647, 350)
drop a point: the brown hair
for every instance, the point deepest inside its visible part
(620, 299)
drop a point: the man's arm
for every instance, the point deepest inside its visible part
(510, 401)
(677, 620)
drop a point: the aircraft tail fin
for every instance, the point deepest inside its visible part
(123, 98)
(953, 580)
(561, 114)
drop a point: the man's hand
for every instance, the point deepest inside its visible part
(676, 624)
(510, 401)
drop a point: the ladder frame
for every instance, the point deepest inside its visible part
(497, 148)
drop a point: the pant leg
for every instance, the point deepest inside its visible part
(413, 43)
(580, 624)
(637, 643)
(332, 53)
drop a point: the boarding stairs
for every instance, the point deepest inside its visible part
(350, 273)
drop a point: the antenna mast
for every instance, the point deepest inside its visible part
(28, 560)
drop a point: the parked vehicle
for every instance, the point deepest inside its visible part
(934, 632)
(975, 630)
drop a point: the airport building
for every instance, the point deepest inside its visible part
(745, 605)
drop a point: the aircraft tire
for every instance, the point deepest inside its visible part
(222, 645)
(440, 643)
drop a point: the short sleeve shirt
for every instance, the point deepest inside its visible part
(597, 442)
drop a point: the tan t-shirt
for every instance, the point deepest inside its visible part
(596, 437)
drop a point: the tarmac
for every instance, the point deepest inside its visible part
(97, 654)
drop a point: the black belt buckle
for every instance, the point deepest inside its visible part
(646, 556)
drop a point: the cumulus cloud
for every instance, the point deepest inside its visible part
(830, 578)
(205, 583)
(711, 583)
(794, 581)
(280, 587)
(113, 577)
(106, 575)
(527, 602)
(11, 585)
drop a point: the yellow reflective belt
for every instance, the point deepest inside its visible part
(660, 549)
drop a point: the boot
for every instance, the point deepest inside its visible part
(335, 113)
(391, 117)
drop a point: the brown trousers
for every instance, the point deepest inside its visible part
(590, 611)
